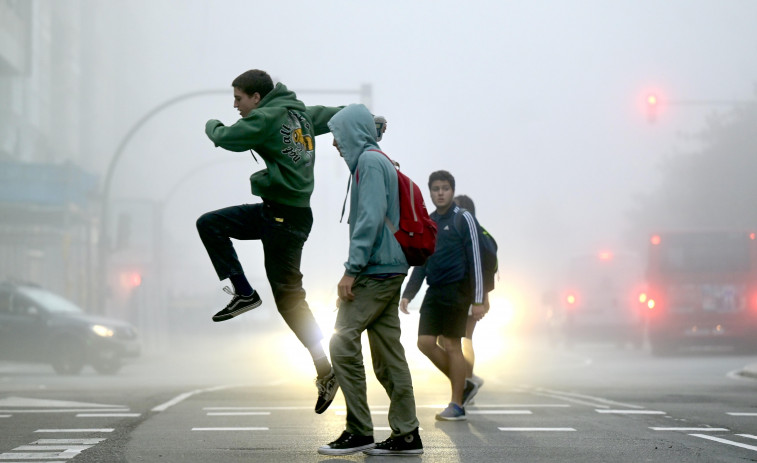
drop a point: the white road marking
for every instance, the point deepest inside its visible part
(37, 455)
(536, 429)
(84, 441)
(70, 448)
(726, 441)
(498, 412)
(76, 430)
(261, 408)
(387, 428)
(750, 436)
(239, 413)
(742, 414)
(229, 429)
(5, 416)
(373, 412)
(67, 410)
(690, 429)
(110, 415)
(179, 398)
(632, 412)
(35, 403)
(582, 399)
(523, 406)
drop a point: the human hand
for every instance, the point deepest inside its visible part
(403, 305)
(344, 288)
(478, 311)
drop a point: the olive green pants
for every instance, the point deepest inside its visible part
(375, 310)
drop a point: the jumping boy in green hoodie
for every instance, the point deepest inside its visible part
(282, 130)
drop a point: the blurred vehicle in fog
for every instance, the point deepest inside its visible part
(597, 300)
(702, 290)
(39, 326)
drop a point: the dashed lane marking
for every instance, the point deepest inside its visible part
(632, 412)
(691, 429)
(109, 415)
(76, 430)
(537, 429)
(231, 429)
(749, 436)
(67, 410)
(498, 412)
(726, 441)
(741, 413)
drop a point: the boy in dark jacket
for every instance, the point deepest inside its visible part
(455, 281)
(282, 130)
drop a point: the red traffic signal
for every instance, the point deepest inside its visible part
(652, 104)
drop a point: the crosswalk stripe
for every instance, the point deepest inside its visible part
(741, 414)
(725, 441)
(498, 412)
(689, 429)
(239, 413)
(76, 430)
(109, 415)
(536, 429)
(632, 412)
(230, 429)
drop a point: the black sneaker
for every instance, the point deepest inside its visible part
(347, 444)
(327, 387)
(238, 305)
(470, 391)
(409, 444)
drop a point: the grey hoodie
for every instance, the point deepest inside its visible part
(374, 195)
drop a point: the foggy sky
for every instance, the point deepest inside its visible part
(535, 107)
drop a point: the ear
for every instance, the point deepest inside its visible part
(256, 97)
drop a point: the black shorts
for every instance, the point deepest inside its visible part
(444, 311)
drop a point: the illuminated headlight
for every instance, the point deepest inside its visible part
(102, 331)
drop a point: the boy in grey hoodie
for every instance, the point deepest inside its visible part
(369, 293)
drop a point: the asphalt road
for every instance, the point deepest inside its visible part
(252, 400)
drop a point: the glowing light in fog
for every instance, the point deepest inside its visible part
(650, 303)
(643, 297)
(571, 299)
(655, 240)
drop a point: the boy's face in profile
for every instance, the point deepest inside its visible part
(441, 194)
(245, 103)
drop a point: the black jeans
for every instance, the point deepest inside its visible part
(283, 231)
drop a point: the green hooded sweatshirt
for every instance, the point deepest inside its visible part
(282, 130)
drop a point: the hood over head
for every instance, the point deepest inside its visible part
(355, 132)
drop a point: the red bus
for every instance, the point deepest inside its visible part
(702, 290)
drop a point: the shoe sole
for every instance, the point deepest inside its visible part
(350, 451)
(456, 418)
(396, 453)
(240, 311)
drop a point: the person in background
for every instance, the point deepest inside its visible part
(472, 382)
(455, 281)
(369, 292)
(282, 130)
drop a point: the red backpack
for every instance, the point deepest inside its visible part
(417, 232)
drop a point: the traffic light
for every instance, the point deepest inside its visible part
(131, 279)
(652, 104)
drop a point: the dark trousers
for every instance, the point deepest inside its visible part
(283, 231)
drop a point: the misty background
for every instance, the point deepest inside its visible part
(539, 110)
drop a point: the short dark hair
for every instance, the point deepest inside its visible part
(254, 81)
(442, 175)
(466, 203)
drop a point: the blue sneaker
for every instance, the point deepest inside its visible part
(453, 412)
